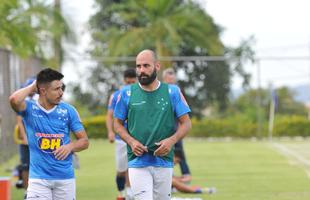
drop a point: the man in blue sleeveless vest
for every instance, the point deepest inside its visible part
(49, 122)
(151, 109)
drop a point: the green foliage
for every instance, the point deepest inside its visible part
(240, 56)
(16, 32)
(86, 103)
(291, 126)
(96, 126)
(171, 28)
(287, 105)
(230, 127)
(237, 126)
(162, 25)
(28, 27)
(247, 104)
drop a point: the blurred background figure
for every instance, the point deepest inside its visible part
(21, 139)
(120, 146)
(169, 76)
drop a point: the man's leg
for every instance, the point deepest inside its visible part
(121, 166)
(186, 174)
(39, 189)
(24, 157)
(64, 189)
(141, 181)
(162, 183)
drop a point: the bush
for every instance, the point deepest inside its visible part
(291, 126)
(228, 127)
(222, 128)
(95, 126)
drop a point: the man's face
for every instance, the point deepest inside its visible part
(169, 78)
(53, 92)
(129, 81)
(146, 68)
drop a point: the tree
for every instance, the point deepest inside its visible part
(27, 27)
(205, 83)
(159, 25)
(286, 105)
(171, 28)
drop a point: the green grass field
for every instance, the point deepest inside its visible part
(241, 170)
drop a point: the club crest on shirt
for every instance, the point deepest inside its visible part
(62, 111)
(128, 92)
(49, 142)
(163, 103)
(35, 107)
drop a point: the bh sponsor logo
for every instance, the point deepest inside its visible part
(49, 142)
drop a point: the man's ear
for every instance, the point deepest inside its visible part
(42, 90)
(157, 65)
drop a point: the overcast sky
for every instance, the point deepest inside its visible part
(280, 27)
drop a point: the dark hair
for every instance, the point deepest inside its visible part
(63, 87)
(130, 73)
(48, 75)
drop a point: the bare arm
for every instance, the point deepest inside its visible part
(109, 124)
(21, 129)
(137, 148)
(75, 146)
(182, 187)
(17, 99)
(166, 144)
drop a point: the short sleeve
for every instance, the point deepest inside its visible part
(75, 120)
(27, 109)
(113, 100)
(179, 103)
(121, 108)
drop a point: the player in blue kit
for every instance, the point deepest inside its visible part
(120, 145)
(48, 122)
(23, 145)
(169, 77)
(151, 109)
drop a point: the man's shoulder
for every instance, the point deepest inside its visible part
(65, 105)
(115, 93)
(31, 104)
(173, 88)
(126, 90)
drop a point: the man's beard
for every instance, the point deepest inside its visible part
(147, 79)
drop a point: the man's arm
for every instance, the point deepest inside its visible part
(182, 187)
(21, 128)
(81, 143)
(166, 144)
(109, 124)
(137, 148)
(17, 99)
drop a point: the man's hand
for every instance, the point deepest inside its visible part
(34, 86)
(164, 147)
(62, 152)
(111, 136)
(137, 148)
